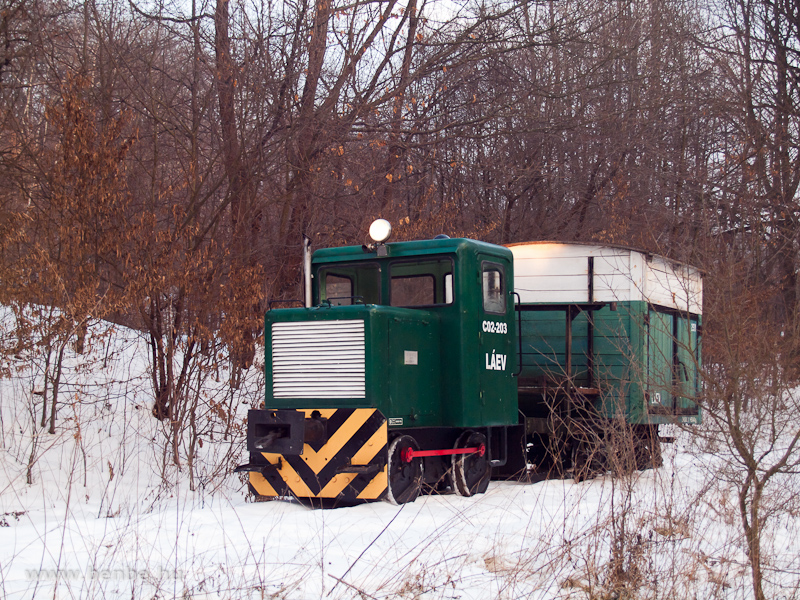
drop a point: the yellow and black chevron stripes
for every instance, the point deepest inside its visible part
(349, 464)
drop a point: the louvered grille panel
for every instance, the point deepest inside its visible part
(318, 359)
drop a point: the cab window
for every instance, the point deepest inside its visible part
(351, 284)
(494, 295)
(425, 283)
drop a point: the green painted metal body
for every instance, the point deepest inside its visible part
(644, 360)
(448, 361)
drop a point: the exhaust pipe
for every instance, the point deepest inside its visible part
(307, 269)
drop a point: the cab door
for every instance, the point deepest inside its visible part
(496, 361)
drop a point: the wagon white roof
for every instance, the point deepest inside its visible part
(558, 272)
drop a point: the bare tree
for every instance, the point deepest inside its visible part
(750, 407)
(759, 57)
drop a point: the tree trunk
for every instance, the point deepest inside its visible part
(751, 522)
(56, 382)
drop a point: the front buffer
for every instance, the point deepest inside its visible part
(332, 454)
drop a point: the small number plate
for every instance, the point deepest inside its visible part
(410, 357)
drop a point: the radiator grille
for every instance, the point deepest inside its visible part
(318, 359)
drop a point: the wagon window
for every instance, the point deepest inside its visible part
(494, 297)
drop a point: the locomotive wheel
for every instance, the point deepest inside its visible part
(405, 478)
(470, 473)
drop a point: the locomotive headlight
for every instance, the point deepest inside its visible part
(380, 230)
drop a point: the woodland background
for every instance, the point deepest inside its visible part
(160, 163)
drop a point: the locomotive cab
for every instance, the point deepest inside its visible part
(398, 376)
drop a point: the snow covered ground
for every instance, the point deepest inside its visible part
(104, 518)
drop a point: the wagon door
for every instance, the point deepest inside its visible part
(687, 363)
(673, 355)
(658, 371)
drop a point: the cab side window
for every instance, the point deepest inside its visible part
(339, 289)
(415, 283)
(413, 290)
(343, 285)
(494, 288)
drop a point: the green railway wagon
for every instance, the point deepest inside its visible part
(608, 335)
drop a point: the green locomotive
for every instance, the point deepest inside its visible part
(405, 370)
